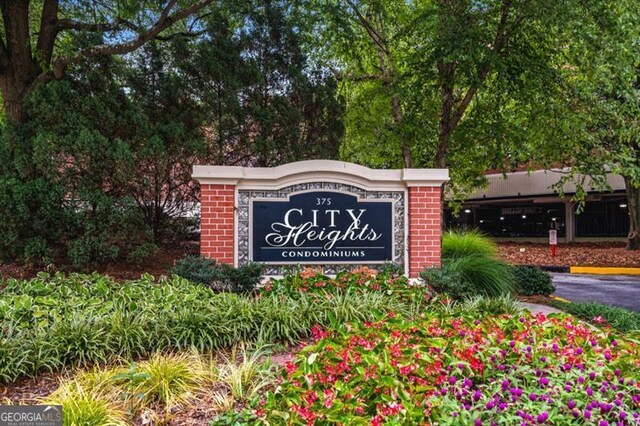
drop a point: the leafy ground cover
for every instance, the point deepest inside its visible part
(618, 318)
(59, 320)
(449, 367)
(362, 280)
(382, 352)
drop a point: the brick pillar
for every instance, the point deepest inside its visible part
(217, 222)
(425, 228)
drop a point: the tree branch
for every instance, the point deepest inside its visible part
(48, 31)
(499, 42)
(164, 21)
(117, 24)
(180, 34)
(375, 36)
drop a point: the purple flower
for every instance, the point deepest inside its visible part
(544, 381)
(532, 397)
(587, 414)
(478, 422)
(589, 391)
(542, 417)
(571, 404)
(452, 380)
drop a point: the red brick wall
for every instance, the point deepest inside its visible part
(425, 228)
(217, 222)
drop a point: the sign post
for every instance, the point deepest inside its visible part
(553, 241)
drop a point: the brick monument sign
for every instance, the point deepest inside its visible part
(321, 213)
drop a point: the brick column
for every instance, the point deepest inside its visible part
(217, 222)
(425, 228)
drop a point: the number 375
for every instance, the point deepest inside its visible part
(323, 201)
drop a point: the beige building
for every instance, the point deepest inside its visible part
(524, 206)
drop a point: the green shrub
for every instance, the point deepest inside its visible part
(38, 252)
(53, 321)
(531, 281)
(619, 318)
(196, 269)
(465, 243)
(243, 279)
(141, 253)
(391, 269)
(92, 250)
(219, 276)
(469, 276)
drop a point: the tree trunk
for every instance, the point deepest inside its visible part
(633, 208)
(396, 110)
(446, 77)
(13, 99)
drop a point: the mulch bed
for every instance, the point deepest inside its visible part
(29, 391)
(573, 254)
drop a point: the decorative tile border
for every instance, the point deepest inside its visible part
(243, 225)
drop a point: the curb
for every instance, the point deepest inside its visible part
(599, 270)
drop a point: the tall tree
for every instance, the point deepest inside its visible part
(268, 103)
(601, 105)
(466, 74)
(30, 33)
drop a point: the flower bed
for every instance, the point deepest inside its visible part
(446, 368)
(360, 280)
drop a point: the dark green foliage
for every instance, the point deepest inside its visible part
(196, 269)
(470, 276)
(55, 321)
(446, 280)
(234, 418)
(470, 267)
(391, 269)
(142, 253)
(219, 276)
(243, 279)
(100, 169)
(531, 281)
(619, 318)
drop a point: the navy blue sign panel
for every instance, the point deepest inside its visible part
(322, 227)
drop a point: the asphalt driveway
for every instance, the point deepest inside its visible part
(618, 290)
